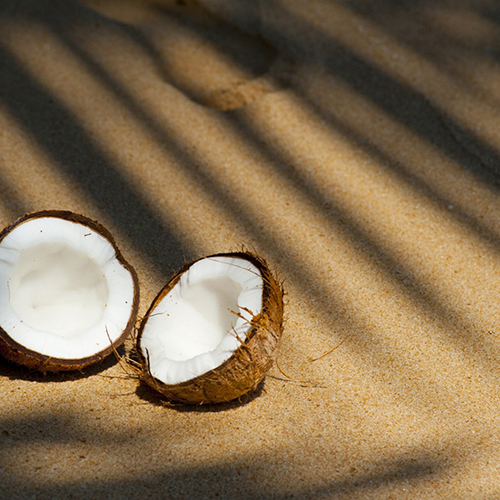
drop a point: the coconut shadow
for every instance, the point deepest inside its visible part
(149, 395)
(19, 372)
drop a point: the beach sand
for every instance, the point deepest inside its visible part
(355, 145)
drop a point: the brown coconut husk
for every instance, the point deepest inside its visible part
(20, 354)
(247, 367)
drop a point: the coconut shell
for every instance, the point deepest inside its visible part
(21, 355)
(247, 367)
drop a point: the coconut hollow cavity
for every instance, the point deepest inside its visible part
(212, 333)
(68, 298)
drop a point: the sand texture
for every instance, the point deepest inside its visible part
(355, 145)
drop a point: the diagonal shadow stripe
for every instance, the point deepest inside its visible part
(12, 203)
(458, 329)
(80, 160)
(408, 106)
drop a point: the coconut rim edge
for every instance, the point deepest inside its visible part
(245, 369)
(23, 355)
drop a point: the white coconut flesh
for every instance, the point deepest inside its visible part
(203, 320)
(63, 292)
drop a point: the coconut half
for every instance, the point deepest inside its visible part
(213, 331)
(68, 298)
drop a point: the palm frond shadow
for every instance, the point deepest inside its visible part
(224, 479)
(83, 162)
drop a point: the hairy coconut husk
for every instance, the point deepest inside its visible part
(248, 365)
(20, 354)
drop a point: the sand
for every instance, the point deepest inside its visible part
(353, 144)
